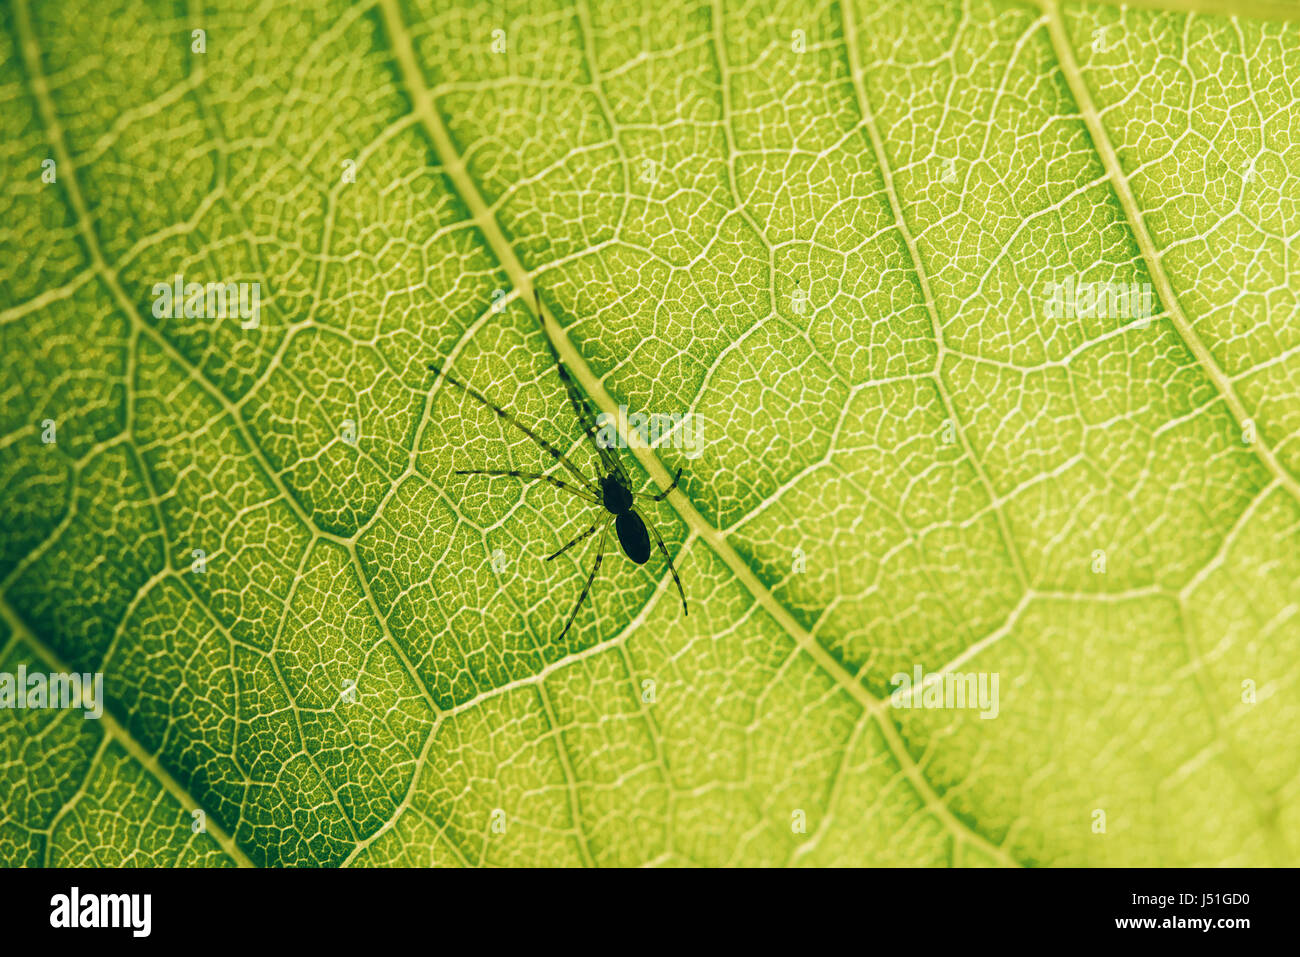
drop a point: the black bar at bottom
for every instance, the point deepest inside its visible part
(584, 909)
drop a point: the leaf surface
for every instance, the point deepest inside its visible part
(825, 230)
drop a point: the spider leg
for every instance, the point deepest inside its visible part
(664, 494)
(585, 535)
(581, 407)
(530, 477)
(514, 420)
(659, 539)
(600, 557)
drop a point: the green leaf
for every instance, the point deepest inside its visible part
(826, 231)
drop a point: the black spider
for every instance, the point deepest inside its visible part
(613, 491)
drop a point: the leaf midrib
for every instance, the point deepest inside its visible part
(481, 215)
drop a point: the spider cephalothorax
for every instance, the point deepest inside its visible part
(612, 491)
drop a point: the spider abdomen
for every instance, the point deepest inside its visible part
(633, 536)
